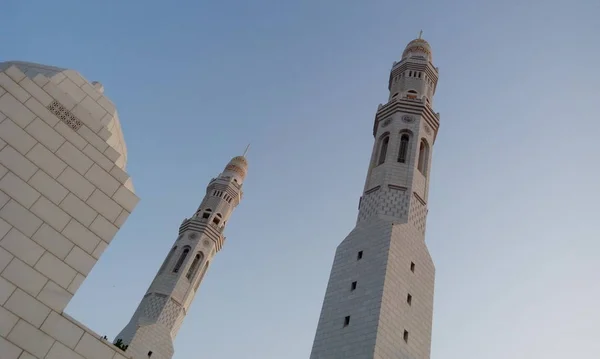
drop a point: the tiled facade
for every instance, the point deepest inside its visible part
(64, 194)
(154, 325)
(379, 299)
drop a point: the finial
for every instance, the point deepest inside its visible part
(420, 34)
(246, 151)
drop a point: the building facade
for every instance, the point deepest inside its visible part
(379, 298)
(152, 329)
(64, 194)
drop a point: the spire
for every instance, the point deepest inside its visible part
(420, 33)
(246, 150)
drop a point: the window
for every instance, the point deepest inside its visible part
(353, 286)
(206, 213)
(423, 156)
(403, 148)
(405, 336)
(359, 256)
(347, 321)
(383, 149)
(409, 299)
(194, 267)
(167, 260)
(186, 250)
(217, 219)
(412, 267)
(149, 354)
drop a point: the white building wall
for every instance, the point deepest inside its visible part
(64, 194)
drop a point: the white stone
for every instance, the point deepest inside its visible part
(55, 269)
(81, 236)
(53, 241)
(93, 153)
(25, 277)
(6, 290)
(42, 112)
(78, 209)
(5, 256)
(96, 111)
(122, 218)
(103, 228)
(80, 260)
(92, 348)
(103, 204)
(17, 163)
(8, 349)
(15, 110)
(27, 307)
(62, 329)
(46, 160)
(22, 247)
(119, 174)
(36, 91)
(31, 339)
(14, 88)
(76, 183)
(16, 136)
(54, 296)
(7, 321)
(14, 73)
(74, 158)
(19, 217)
(26, 355)
(59, 351)
(93, 139)
(45, 134)
(126, 198)
(100, 248)
(71, 136)
(76, 283)
(73, 90)
(19, 190)
(51, 213)
(48, 187)
(102, 179)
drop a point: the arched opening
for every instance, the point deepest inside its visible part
(194, 267)
(412, 94)
(423, 157)
(403, 151)
(201, 276)
(167, 260)
(217, 219)
(181, 260)
(206, 213)
(383, 149)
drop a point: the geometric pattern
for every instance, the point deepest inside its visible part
(65, 115)
(153, 305)
(390, 201)
(170, 314)
(418, 214)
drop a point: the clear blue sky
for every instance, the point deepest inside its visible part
(513, 219)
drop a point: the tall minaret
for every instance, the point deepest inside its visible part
(154, 325)
(379, 299)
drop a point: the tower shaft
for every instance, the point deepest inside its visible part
(154, 325)
(379, 298)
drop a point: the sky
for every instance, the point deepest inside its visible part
(513, 206)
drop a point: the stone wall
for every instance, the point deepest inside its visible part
(64, 194)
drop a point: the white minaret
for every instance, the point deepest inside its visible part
(379, 299)
(154, 325)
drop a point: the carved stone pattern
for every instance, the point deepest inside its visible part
(170, 314)
(418, 214)
(64, 115)
(395, 203)
(407, 119)
(193, 236)
(427, 129)
(153, 305)
(206, 243)
(368, 205)
(236, 169)
(386, 122)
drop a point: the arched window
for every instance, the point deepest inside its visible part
(383, 149)
(194, 267)
(217, 219)
(412, 94)
(403, 151)
(423, 157)
(167, 260)
(206, 213)
(184, 254)
(201, 276)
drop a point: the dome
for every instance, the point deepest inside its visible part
(418, 47)
(238, 165)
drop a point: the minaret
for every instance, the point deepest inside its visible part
(379, 299)
(154, 325)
